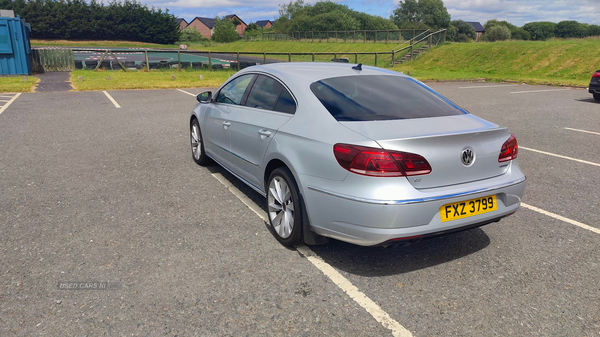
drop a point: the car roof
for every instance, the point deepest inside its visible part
(309, 72)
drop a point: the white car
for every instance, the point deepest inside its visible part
(355, 153)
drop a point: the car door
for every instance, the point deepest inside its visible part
(217, 140)
(269, 106)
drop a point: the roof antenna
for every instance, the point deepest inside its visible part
(357, 67)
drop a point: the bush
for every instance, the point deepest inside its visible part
(497, 33)
(461, 32)
(225, 31)
(189, 34)
(520, 34)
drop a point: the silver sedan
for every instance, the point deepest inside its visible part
(355, 153)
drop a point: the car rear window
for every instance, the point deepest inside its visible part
(380, 97)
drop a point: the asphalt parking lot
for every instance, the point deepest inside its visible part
(100, 187)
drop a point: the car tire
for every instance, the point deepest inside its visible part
(284, 207)
(198, 153)
(597, 97)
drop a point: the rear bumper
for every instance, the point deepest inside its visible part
(365, 223)
(594, 89)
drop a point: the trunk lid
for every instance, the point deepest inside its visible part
(441, 140)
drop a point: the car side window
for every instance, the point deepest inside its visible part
(285, 103)
(233, 92)
(264, 93)
(267, 93)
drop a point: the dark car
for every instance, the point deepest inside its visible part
(595, 85)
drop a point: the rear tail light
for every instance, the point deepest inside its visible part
(596, 74)
(509, 150)
(378, 162)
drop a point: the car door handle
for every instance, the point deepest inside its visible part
(264, 134)
(226, 124)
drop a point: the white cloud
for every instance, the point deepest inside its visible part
(521, 12)
(517, 12)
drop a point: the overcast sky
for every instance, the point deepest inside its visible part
(517, 12)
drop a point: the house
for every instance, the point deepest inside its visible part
(478, 29)
(241, 27)
(206, 26)
(264, 23)
(181, 23)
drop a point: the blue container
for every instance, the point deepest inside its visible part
(15, 50)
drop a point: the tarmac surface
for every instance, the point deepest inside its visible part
(54, 81)
(91, 193)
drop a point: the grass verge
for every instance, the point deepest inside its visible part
(163, 79)
(554, 62)
(17, 84)
(99, 43)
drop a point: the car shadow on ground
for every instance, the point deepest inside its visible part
(588, 100)
(380, 261)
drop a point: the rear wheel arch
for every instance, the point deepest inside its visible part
(308, 236)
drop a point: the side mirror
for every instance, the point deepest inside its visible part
(204, 97)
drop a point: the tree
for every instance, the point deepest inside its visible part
(594, 30)
(571, 29)
(491, 23)
(289, 10)
(252, 31)
(327, 16)
(541, 30)
(461, 31)
(496, 33)
(431, 13)
(225, 30)
(79, 19)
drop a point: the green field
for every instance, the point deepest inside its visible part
(555, 62)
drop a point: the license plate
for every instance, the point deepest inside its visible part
(467, 208)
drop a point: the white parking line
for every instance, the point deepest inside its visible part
(359, 297)
(9, 103)
(112, 100)
(560, 156)
(185, 92)
(594, 133)
(343, 283)
(530, 91)
(489, 86)
(561, 218)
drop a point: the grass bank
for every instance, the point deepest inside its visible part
(119, 80)
(344, 50)
(555, 62)
(17, 83)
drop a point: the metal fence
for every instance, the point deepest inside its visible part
(63, 59)
(354, 36)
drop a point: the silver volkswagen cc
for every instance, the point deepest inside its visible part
(355, 153)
